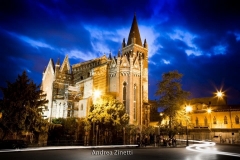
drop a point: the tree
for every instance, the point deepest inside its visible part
(22, 106)
(109, 112)
(147, 130)
(64, 129)
(172, 97)
(109, 115)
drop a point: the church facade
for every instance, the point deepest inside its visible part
(71, 89)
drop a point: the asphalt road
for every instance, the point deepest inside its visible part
(205, 153)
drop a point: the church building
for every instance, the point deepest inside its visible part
(72, 88)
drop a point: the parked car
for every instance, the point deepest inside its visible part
(12, 144)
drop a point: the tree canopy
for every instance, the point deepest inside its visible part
(109, 112)
(21, 106)
(172, 96)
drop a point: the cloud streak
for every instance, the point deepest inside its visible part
(200, 40)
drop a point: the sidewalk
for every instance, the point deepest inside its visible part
(66, 147)
(162, 146)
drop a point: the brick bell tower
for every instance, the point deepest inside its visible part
(132, 76)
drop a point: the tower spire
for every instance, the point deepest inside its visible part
(58, 62)
(134, 35)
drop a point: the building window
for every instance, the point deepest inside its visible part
(205, 122)
(225, 120)
(69, 112)
(237, 120)
(81, 77)
(125, 94)
(135, 102)
(214, 120)
(81, 107)
(196, 121)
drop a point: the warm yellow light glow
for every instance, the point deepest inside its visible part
(97, 94)
(161, 114)
(220, 94)
(188, 108)
(209, 110)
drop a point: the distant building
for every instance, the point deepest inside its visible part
(213, 119)
(70, 88)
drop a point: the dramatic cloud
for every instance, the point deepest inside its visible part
(200, 39)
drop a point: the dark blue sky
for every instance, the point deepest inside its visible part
(199, 38)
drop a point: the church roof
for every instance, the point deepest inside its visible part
(50, 64)
(134, 33)
(104, 58)
(65, 65)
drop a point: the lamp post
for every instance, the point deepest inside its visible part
(123, 135)
(221, 95)
(93, 134)
(160, 122)
(188, 109)
(209, 112)
(96, 134)
(159, 126)
(96, 94)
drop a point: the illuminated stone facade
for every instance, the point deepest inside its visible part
(70, 88)
(211, 118)
(214, 119)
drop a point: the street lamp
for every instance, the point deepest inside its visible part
(123, 135)
(159, 126)
(209, 112)
(220, 94)
(97, 93)
(96, 134)
(188, 109)
(160, 121)
(93, 133)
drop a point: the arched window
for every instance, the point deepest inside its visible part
(81, 77)
(88, 74)
(225, 120)
(196, 121)
(125, 94)
(134, 101)
(214, 120)
(205, 121)
(81, 107)
(237, 120)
